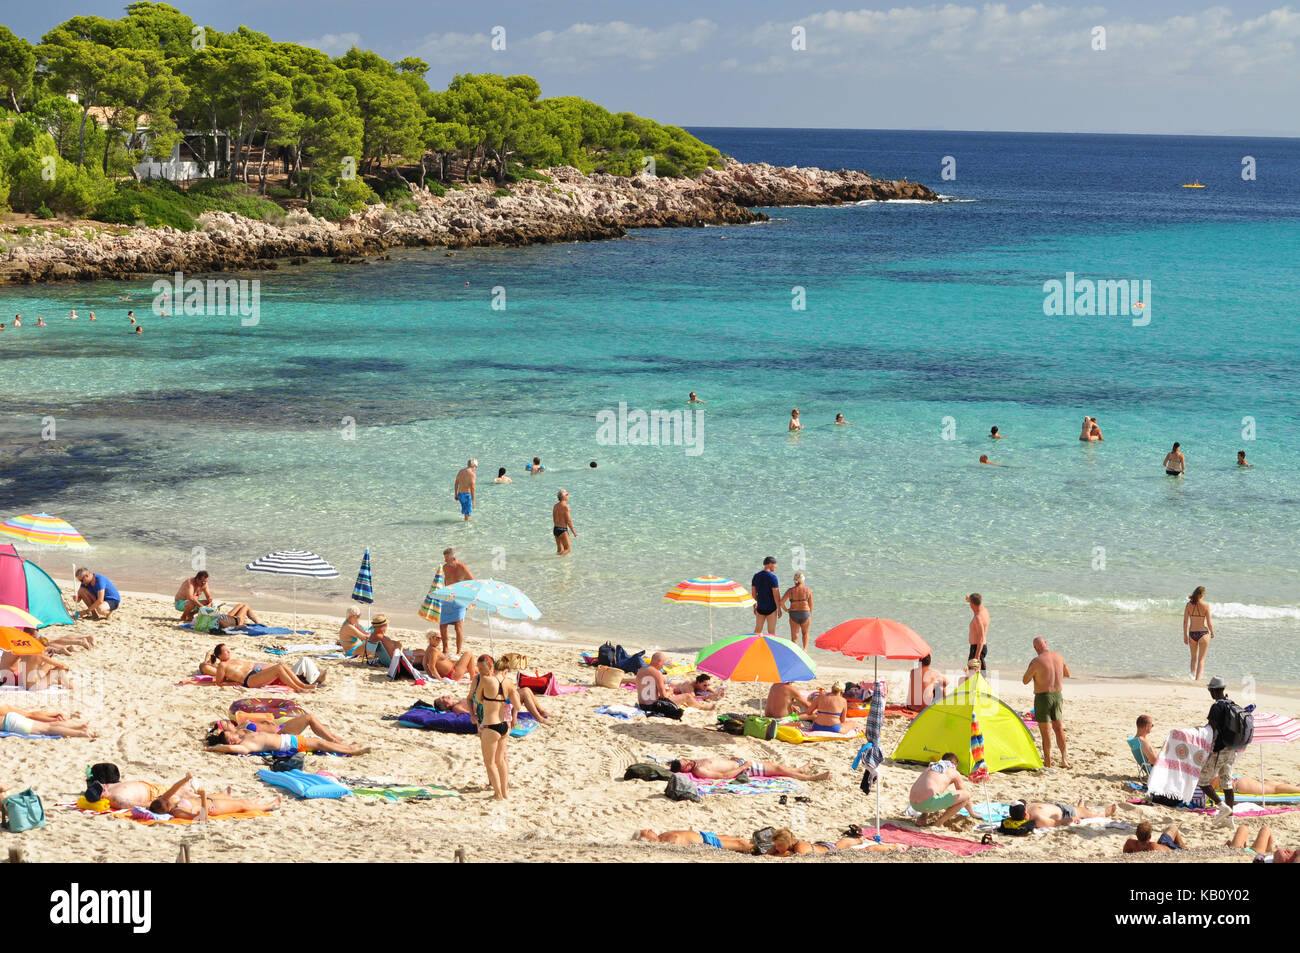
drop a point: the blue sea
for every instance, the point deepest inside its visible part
(339, 420)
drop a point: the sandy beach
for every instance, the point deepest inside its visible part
(567, 800)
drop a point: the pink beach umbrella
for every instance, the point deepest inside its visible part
(1272, 730)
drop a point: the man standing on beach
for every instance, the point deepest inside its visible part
(452, 613)
(464, 488)
(1046, 671)
(1234, 727)
(562, 524)
(979, 630)
(766, 590)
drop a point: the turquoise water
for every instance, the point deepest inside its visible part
(203, 433)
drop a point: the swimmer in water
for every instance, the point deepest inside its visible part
(536, 466)
(593, 464)
(139, 329)
(984, 458)
(693, 399)
(501, 476)
(1175, 463)
(795, 423)
(73, 315)
(994, 435)
(1241, 459)
(40, 322)
(841, 422)
(92, 315)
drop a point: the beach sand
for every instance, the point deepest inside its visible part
(567, 801)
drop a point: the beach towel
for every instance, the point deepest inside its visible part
(797, 735)
(304, 784)
(142, 816)
(1176, 771)
(209, 680)
(893, 834)
(15, 734)
(570, 689)
(621, 712)
(427, 717)
(751, 786)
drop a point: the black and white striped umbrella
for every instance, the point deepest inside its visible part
(294, 563)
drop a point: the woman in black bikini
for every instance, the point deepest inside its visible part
(1197, 630)
(487, 701)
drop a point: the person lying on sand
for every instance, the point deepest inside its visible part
(1055, 814)
(702, 687)
(785, 844)
(181, 800)
(125, 794)
(226, 670)
(66, 644)
(237, 617)
(784, 699)
(940, 790)
(1245, 784)
(242, 741)
(741, 845)
(1265, 846)
(273, 725)
(37, 722)
(725, 769)
(1141, 842)
(447, 703)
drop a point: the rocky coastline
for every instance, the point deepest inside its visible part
(570, 207)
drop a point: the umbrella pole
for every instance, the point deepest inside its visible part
(879, 781)
(1263, 790)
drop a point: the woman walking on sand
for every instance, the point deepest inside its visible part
(798, 604)
(1197, 630)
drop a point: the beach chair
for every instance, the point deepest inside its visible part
(1135, 745)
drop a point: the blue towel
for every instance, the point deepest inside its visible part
(257, 630)
(15, 734)
(304, 784)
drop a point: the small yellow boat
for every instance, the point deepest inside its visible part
(1193, 185)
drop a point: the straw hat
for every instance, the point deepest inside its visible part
(378, 620)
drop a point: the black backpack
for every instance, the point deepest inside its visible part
(1236, 726)
(607, 655)
(732, 726)
(647, 772)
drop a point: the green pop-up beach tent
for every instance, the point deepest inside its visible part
(946, 726)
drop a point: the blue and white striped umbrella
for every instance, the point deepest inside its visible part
(362, 591)
(294, 563)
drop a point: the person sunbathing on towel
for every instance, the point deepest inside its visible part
(1054, 814)
(242, 741)
(275, 724)
(37, 722)
(785, 844)
(436, 662)
(1265, 847)
(125, 794)
(1245, 784)
(66, 644)
(725, 769)
(231, 671)
(181, 800)
(741, 845)
(702, 687)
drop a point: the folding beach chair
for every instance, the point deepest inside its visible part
(1135, 745)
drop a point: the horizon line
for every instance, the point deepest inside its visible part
(1010, 132)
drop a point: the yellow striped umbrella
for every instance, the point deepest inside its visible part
(43, 529)
(710, 591)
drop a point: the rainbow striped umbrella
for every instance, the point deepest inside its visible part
(979, 770)
(42, 529)
(756, 658)
(432, 608)
(710, 591)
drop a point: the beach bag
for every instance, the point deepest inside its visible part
(664, 708)
(756, 726)
(294, 762)
(607, 655)
(682, 788)
(647, 772)
(762, 840)
(207, 618)
(1016, 828)
(1238, 726)
(607, 677)
(854, 692)
(22, 812)
(732, 726)
(538, 683)
(629, 663)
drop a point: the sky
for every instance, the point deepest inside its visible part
(1167, 66)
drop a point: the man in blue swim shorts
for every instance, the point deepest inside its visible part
(464, 488)
(453, 571)
(740, 845)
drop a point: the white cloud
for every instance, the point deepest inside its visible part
(335, 44)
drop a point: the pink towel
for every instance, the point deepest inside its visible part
(893, 834)
(1179, 766)
(569, 689)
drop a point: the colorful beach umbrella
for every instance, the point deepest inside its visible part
(710, 591)
(432, 608)
(27, 586)
(19, 642)
(492, 597)
(756, 658)
(42, 529)
(362, 590)
(979, 771)
(17, 618)
(881, 638)
(871, 751)
(295, 563)
(1272, 730)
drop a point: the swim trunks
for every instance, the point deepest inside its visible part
(20, 724)
(1170, 472)
(466, 503)
(1167, 841)
(181, 604)
(710, 840)
(450, 612)
(559, 530)
(1067, 813)
(755, 769)
(940, 802)
(1047, 707)
(983, 654)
